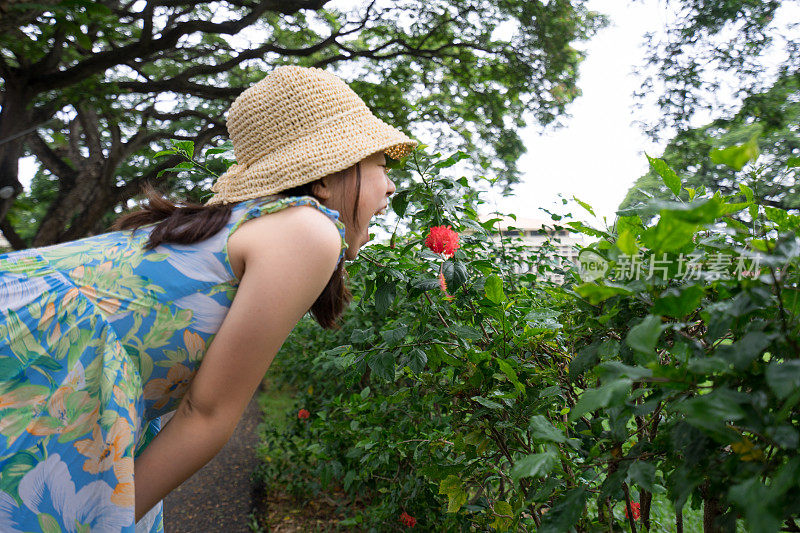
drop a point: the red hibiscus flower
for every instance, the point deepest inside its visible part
(442, 240)
(408, 520)
(302, 414)
(635, 509)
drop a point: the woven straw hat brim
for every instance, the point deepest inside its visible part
(333, 146)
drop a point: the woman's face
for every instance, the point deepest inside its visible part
(339, 193)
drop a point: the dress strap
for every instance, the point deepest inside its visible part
(262, 206)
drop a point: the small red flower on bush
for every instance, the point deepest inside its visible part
(302, 414)
(635, 509)
(408, 520)
(442, 240)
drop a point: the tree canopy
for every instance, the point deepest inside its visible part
(711, 48)
(94, 89)
(768, 120)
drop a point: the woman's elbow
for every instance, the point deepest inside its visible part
(210, 416)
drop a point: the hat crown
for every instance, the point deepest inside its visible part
(290, 103)
(296, 125)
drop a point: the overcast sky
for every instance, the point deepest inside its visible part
(598, 153)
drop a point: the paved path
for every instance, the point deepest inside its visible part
(217, 498)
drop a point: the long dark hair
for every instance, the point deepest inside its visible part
(187, 223)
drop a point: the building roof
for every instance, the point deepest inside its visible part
(524, 223)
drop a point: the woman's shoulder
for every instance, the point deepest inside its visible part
(303, 230)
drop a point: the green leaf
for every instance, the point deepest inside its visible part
(669, 234)
(643, 474)
(668, 176)
(793, 162)
(400, 203)
(394, 336)
(215, 151)
(759, 504)
(455, 274)
(463, 331)
(580, 227)
(784, 378)
(610, 393)
(502, 523)
(586, 358)
(186, 146)
(384, 296)
(617, 369)
(597, 293)
(584, 205)
(736, 156)
(563, 515)
(747, 191)
(728, 208)
(745, 350)
(20, 463)
(452, 160)
(489, 404)
(711, 411)
(425, 284)
(382, 365)
(543, 320)
(677, 302)
(679, 222)
(534, 465)
(509, 372)
(9, 367)
(417, 360)
(494, 289)
(360, 336)
(643, 336)
(632, 223)
(778, 216)
(454, 489)
(542, 429)
(626, 243)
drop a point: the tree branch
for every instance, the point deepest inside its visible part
(185, 88)
(91, 126)
(11, 235)
(48, 158)
(104, 60)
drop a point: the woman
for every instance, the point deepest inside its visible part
(100, 337)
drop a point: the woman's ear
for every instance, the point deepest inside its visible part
(322, 188)
(326, 188)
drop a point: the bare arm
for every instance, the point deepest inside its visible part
(289, 257)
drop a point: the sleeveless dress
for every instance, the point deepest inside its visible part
(98, 339)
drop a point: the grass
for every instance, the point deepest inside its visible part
(276, 403)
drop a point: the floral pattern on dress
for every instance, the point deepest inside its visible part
(99, 338)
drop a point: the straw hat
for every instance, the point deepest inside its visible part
(298, 125)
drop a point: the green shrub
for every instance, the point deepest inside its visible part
(520, 404)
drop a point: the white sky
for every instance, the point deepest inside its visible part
(599, 153)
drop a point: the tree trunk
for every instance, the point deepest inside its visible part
(711, 512)
(645, 499)
(14, 118)
(75, 211)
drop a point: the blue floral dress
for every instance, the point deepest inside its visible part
(98, 339)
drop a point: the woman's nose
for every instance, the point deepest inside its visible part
(390, 188)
